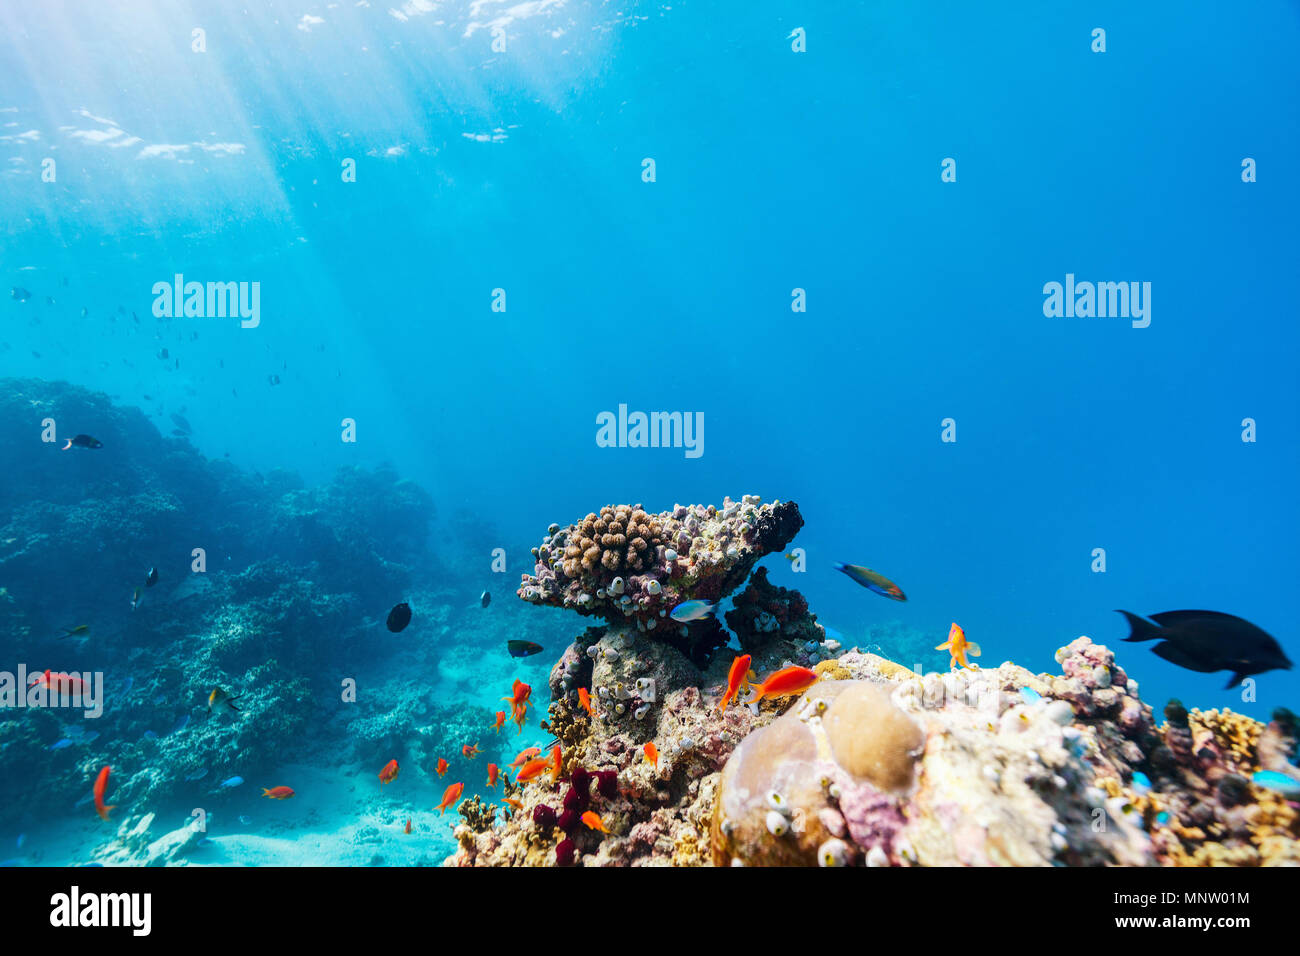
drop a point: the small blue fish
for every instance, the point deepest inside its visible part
(127, 685)
(61, 744)
(1283, 783)
(1162, 817)
(160, 700)
(148, 735)
(91, 737)
(22, 838)
(692, 611)
(181, 724)
(233, 782)
(245, 819)
(1141, 783)
(197, 775)
(1030, 696)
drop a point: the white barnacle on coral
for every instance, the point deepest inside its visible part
(654, 587)
(620, 709)
(616, 586)
(1059, 712)
(777, 824)
(621, 692)
(687, 743)
(820, 705)
(733, 553)
(1101, 675)
(611, 654)
(594, 651)
(603, 691)
(645, 688)
(641, 711)
(776, 800)
(905, 851)
(600, 593)
(650, 624)
(877, 856)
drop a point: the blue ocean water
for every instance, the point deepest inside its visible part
(517, 175)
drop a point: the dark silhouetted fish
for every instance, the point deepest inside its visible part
(83, 441)
(523, 648)
(1208, 641)
(180, 422)
(485, 598)
(399, 617)
(872, 581)
(21, 294)
(151, 578)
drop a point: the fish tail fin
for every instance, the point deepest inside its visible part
(1234, 681)
(103, 811)
(231, 702)
(265, 792)
(67, 446)
(972, 649)
(1141, 628)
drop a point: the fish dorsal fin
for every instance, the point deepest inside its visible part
(1169, 618)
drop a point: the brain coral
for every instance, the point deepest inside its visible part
(822, 784)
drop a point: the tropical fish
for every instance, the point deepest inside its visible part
(196, 775)
(219, 702)
(519, 702)
(151, 578)
(500, 721)
(470, 751)
(78, 631)
(442, 766)
(1208, 641)
(1283, 783)
(449, 797)
(532, 769)
(592, 819)
(584, 701)
(556, 765)
(652, 753)
(783, 683)
(485, 599)
(181, 424)
(523, 648)
(232, 782)
(736, 677)
(278, 793)
(689, 611)
(872, 581)
(90, 738)
(101, 784)
(135, 599)
(512, 802)
(388, 773)
(180, 724)
(1030, 696)
(399, 617)
(493, 772)
(525, 756)
(83, 441)
(148, 735)
(243, 818)
(958, 647)
(63, 744)
(407, 828)
(19, 294)
(63, 684)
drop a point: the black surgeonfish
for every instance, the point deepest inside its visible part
(399, 617)
(83, 441)
(1208, 641)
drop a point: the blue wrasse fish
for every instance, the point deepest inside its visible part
(872, 581)
(1208, 641)
(1283, 783)
(689, 611)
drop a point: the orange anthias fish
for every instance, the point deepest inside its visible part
(652, 753)
(584, 698)
(532, 769)
(442, 766)
(524, 756)
(555, 764)
(278, 793)
(737, 676)
(784, 683)
(101, 784)
(388, 773)
(470, 751)
(450, 796)
(958, 647)
(60, 683)
(593, 820)
(501, 721)
(407, 828)
(518, 805)
(519, 702)
(493, 771)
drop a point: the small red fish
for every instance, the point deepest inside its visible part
(958, 647)
(278, 793)
(493, 771)
(584, 698)
(449, 797)
(408, 826)
(64, 684)
(524, 756)
(593, 820)
(784, 683)
(470, 751)
(555, 764)
(532, 769)
(735, 678)
(388, 773)
(442, 766)
(519, 702)
(516, 804)
(501, 721)
(101, 784)
(652, 753)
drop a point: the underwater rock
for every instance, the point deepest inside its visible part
(773, 624)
